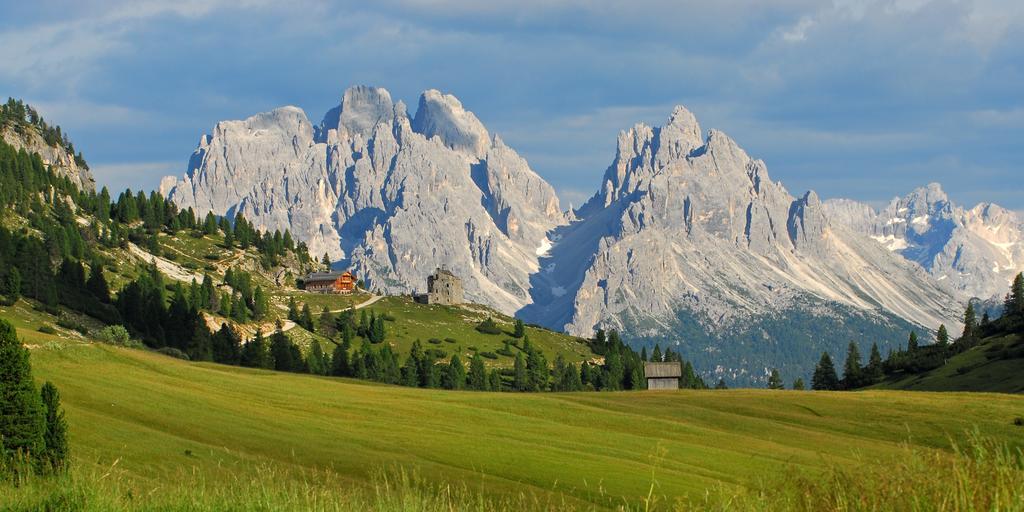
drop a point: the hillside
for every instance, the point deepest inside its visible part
(995, 365)
(164, 428)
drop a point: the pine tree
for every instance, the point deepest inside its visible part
(411, 372)
(317, 362)
(643, 354)
(494, 381)
(22, 415)
(656, 356)
(455, 374)
(281, 351)
(254, 353)
(874, 369)
(721, 384)
(293, 310)
(477, 373)
(942, 338)
(970, 322)
(1017, 295)
(307, 318)
(520, 381)
(97, 284)
(825, 378)
(55, 437)
(260, 304)
(798, 384)
(912, 342)
(326, 261)
(340, 362)
(853, 375)
(775, 380)
(520, 329)
(326, 323)
(614, 371)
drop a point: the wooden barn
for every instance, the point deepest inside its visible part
(330, 282)
(663, 375)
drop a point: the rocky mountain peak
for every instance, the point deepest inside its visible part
(362, 108)
(442, 115)
(681, 134)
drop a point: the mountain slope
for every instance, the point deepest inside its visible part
(391, 197)
(23, 128)
(690, 235)
(975, 251)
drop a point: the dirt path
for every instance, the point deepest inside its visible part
(361, 305)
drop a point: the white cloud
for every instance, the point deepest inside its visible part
(798, 33)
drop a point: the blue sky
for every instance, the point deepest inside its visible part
(862, 99)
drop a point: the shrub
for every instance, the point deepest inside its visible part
(70, 323)
(209, 268)
(449, 340)
(963, 370)
(197, 234)
(434, 341)
(7, 301)
(189, 265)
(472, 348)
(47, 329)
(1019, 421)
(489, 327)
(435, 353)
(168, 255)
(116, 335)
(387, 317)
(212, 257)
(489, 355)
(172, 352)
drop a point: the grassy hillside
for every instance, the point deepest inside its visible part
(996, 364)
(158, 425)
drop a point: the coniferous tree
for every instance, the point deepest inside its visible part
(22, 415)
(721, 384)
(613, 371)
(55, 436)
(317, 362)
(798, 384)
(657, 356)
(339, 360)
(520, 380)
(874, 370)
(293, 311)
(643, 354)
(97, 284)
(455, 374)
(411, 372)
(853, 375)
(255, 354)
(970, 322)
(775, 380)
(227, 345)
(326, 325)
(307, 318)
(912, 342)
(825, 378)
(1017, 295)
(477, 373)
(260, 304)
(942, 337)
(520, 329)
(494, 381)
(281, 351)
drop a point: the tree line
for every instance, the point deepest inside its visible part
(917, 357)
(33, 431)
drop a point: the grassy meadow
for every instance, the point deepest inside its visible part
(149, 432)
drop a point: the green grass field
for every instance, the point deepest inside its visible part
(162, 427)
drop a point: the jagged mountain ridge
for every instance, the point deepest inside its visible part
(688, 233)
(390, 196)
(687, 223)
(976, 251)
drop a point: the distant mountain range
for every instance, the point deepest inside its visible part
(688, 242)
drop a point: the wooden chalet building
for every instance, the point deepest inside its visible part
(663, 375)
(330, 282)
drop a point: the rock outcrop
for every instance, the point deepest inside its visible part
(59, 160)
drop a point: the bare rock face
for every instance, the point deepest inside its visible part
(685, 226)
(59, 160)
(390, 197)
(977, 252)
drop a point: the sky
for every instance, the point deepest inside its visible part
(860, 99)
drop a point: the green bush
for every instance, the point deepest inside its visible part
(74, 325)
(434, 341)
(450, 340)
(489, 327)
(1019, 421)
(212, 257)
(435, 353)
(172, 352)
(116, 335)
(489, 355)
(47, 329)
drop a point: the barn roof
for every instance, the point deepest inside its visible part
(663, 370)
(323, 276)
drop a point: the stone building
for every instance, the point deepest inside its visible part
(663, 375)
(443, 287)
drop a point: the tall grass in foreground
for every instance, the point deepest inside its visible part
(981, 475)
